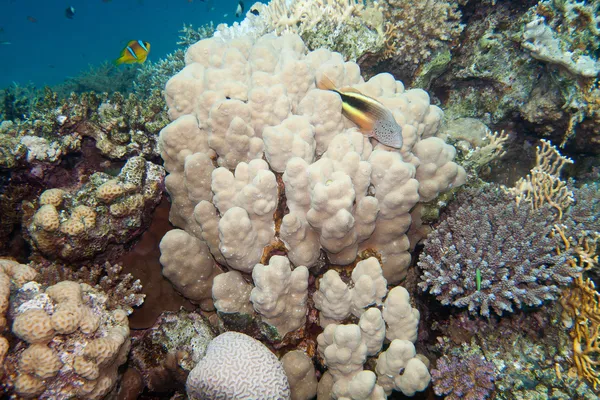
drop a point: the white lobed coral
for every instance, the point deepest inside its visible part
(280, 294)
(237, 366)
(336, 301)
(399, 368)
(402, 319)
(300, 372)
(187, 263)
(343, 350)
(231, 293)
(362, 386)
(237, 100)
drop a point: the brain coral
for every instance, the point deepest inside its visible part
(78, 223)
(237, 366)
(325, 187)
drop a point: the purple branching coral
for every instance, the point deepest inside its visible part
(468, 378)
(485, 239)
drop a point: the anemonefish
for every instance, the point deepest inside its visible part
(373, 118)
(135, 52)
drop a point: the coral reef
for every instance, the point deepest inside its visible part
(121, 127)
(527, 354)
(79, 223)
(467, 378)
(416, 31)
(165, 353)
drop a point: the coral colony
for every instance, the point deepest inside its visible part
(303, 257)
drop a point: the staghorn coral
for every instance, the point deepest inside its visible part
(489, 253)
(469, 378)
(106, 211)
(70, 344)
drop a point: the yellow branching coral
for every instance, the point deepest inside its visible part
(543, 184)
(582, 313)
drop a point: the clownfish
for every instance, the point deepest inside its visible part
(135, 52)
(373, 118)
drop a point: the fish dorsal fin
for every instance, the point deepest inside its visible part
(325, 83)
(349, 89)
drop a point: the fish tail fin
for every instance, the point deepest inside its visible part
(119, 61)
(325, 83)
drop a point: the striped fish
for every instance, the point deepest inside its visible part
(135, 52)
(373, 118)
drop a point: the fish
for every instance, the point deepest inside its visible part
(373, 118)
(31, 19)
(135, 52)
(5, 42)
(240, 9)
(70, 12)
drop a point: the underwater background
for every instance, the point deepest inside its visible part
(330, 199)
(54, 47)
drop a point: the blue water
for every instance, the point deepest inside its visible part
(54, 47)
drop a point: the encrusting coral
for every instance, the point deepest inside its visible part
(121, 127)
(78, 223)
(70, 344)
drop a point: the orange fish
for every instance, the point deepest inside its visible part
(135, 52)
(373, 118)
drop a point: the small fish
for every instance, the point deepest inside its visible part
(478, 279)
(31, 19)
(5, 42)
(240, 9)
(135, 52)
(70, 12)
(225, 15)
(254, 11)
(373, 118)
